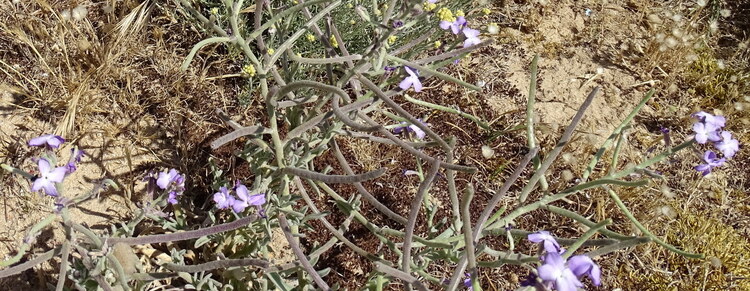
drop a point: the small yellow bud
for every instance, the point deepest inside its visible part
(460, 13)
(377, 12)
(438, 44)
(310, 37)
(392, 39)
(429, 6)
(215, 10)
(333, 41)
(352, 22)
(486, 11)
(385, 6)
(350, 6)
(446, 14)
(271, 51)
(249, 70)
(295, 2)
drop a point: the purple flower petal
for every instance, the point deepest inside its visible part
(550, 244)
(705, 132)
(239, 206)
(51, 140)
(172, 199)
(555, 272)
(717, 121)
(44, 166)
(583, 265)
(50, 189)
(223, 199)
(400, 128)
(728, 146)
(445, 24)
(406, 83)
(472, 37)
(242, 192)
(57, 175)
(257, 199)
(417, 84)
(163, 180)
(418, 131)
(704, 169)
(48, 177)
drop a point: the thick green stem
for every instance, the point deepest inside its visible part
(530, 136)
(28, 240)
(645, 231)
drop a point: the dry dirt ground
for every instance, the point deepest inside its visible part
(110, 83)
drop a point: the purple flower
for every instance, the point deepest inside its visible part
(711, 162)
(467, 282)
(728, 146)
(398, 23)
(50, 140)
(171, 178)
(411, 80)
(411, 128)
(432, 1)
(472, 37)
(173, 182)
(223, 199)
(583, 265)
(717, 121)
(554, 272)
(705, 132)
(454, 26)
(245, 199)
(75, 157)
(48, 177)
(550, 244)
(172, 198)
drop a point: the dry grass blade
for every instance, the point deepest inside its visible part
(133, 22)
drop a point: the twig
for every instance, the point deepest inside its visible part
(366, 194)
(396, 273)
(229, 263)
(416, 205)
(300, 254)
(333, 179)
(186, 235)
(558, 148)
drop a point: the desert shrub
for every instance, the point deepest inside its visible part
(324, 70)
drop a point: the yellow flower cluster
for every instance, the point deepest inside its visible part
(310, 37)
(333, 41)
(429, 6)
(446, 14)
(271, 51)
(249, 70)
(392, 39)
(438, 44)
(460, 13)
(215, 10)
(486, 11)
